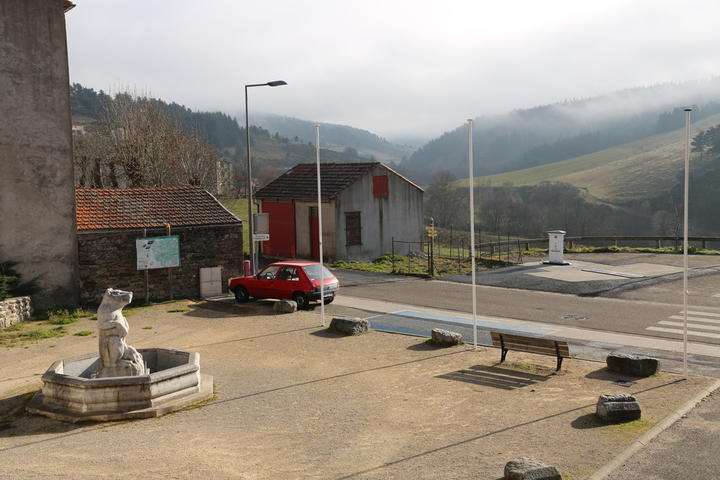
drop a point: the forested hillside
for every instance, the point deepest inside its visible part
(550, 133)
(272, 153)
(335, 137)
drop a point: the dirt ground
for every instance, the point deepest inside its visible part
(294, 401)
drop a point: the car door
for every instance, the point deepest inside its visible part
(286, 282)
(263, 284)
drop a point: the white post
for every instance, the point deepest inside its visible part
(685, 238)
(472, 229)
(320, 229)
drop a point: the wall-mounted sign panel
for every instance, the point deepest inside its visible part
(158, 252)
(261, 237)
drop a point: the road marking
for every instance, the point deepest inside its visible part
(690, 325)
(707, 314)
(697, 326)
(696, 319)
(680, 332)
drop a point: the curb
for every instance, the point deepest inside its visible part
(641, 442)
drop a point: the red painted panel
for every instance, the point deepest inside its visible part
(282, 229)
(314, 238)
(380, 186)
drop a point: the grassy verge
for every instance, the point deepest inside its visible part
(415, 265)
(50, 323)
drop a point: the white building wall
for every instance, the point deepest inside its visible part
(302, 229)
(399, 215)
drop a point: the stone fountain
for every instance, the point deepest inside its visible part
(121, 382)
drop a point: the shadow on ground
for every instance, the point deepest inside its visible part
(15, 421)
(497, 377)
(229, 309)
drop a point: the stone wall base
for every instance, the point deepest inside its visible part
(14, 310)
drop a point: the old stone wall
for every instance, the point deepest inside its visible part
(37, 196)
(14, 310)
(109, 259)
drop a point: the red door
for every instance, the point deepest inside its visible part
(282, 229)
(314, 235)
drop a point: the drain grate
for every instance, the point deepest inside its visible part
(573, 317)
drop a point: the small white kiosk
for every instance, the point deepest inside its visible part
(556, 247)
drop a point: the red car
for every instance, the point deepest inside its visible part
(297, 280)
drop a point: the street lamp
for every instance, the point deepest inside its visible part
(275, 83)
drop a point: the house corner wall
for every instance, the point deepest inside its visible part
(37, 195)
(400, 215)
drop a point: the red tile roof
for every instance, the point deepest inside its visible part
(300, 182)
(120, 208)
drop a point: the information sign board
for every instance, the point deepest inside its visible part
(158, 252)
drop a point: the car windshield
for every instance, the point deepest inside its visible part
(313, 272)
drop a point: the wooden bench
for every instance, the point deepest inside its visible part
(541, 346)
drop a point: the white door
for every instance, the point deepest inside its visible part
(210, 282)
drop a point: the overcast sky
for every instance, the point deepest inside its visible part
(396, 68)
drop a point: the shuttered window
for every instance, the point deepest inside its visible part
(353, 229)
(380, 186)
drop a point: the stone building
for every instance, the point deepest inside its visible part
(364, 206)
(37, 218)
(110, 220)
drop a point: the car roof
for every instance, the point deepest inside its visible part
(295, 263)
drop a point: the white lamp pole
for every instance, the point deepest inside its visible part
(320, 229)
(685, 237)
(472, 229)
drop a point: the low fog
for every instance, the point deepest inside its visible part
(398, 69)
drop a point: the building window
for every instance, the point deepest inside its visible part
(380, 186)
(352, 228)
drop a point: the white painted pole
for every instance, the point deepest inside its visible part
(320, 228)
(471, 180)
(685, 238)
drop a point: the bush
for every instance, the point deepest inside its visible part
(11, 284)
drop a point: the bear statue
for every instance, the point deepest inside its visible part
(117, 358)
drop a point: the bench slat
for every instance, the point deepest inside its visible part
(541, 346)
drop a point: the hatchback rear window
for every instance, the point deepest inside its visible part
(313, 272)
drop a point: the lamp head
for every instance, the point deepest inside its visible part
(277, 83)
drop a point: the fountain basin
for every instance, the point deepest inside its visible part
(71, 392)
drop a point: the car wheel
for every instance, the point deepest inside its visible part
(241, 294)
(301, 300)
(329, 300)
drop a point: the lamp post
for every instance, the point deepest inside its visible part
(685, 237)
(275, 83)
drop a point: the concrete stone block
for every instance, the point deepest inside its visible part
(526, 468)
(635, 365)
(618, 408)
(285, 306)
(349, 325)
(445, 338)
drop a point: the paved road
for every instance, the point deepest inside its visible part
(654, 319)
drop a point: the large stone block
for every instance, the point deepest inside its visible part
(526, 468)
(445, 338)
(285, 306)
(618, 408)
(349, 325)
(635, 365)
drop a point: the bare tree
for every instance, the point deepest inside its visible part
(137, 144)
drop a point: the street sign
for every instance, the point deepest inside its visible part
(158, 252)
(431, 232)
(261, 237)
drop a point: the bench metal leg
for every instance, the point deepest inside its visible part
(559, 358)
(503, 355)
